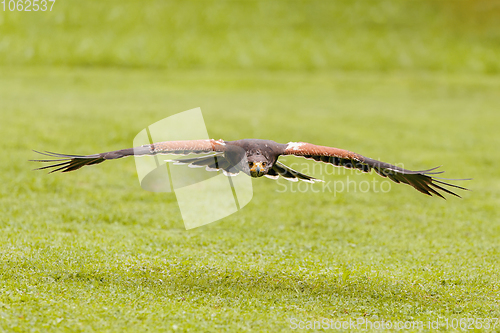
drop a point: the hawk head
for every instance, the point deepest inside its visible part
(258, 165)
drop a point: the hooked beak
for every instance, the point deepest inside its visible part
(257, 169)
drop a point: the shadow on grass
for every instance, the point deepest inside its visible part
(189, 283)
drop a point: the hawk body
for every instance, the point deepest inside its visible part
(258, 158)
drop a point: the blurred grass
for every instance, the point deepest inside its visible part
(380, 35)
(91, 251)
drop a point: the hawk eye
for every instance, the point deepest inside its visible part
(250, 164)
(264, 163)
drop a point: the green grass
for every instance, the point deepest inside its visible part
(92, 251)
(381, 35)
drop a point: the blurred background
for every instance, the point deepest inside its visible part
(379, 35)
(396, 80)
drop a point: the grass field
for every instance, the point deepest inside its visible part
(447, 36)
(92, 251)
(414, 83)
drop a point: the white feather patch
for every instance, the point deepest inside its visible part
(294, 145)
(291, 179)
(195, 166)
(219, 142)
(312, 181)
(229, 174)
(211, 169)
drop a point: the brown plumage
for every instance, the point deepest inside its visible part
(261, 160)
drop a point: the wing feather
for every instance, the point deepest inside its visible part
(423, 181)
(75, 162)
(290, 174)
(211, 163)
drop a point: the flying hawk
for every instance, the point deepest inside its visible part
(261, 160)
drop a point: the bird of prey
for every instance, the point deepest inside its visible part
(260, 159)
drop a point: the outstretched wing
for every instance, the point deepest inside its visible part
(66, 163)
(423, 181)
(214, 162)
(279, 169)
